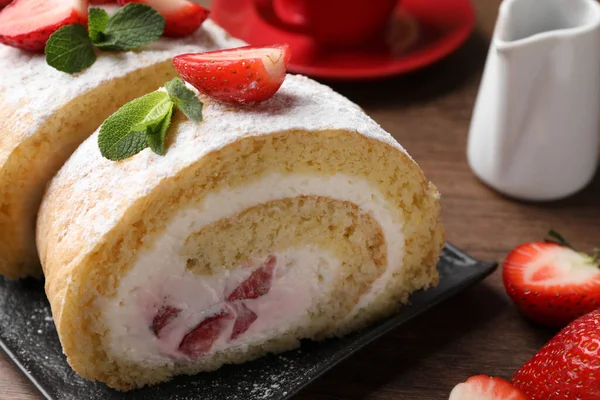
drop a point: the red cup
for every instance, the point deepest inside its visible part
(334, 22)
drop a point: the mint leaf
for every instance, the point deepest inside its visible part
(144, 122)
(118, 139)
(69, 49)
(186, 100)
(97, 21)
(156, 133)
(131, 27)
(126, 146)
(155, 114)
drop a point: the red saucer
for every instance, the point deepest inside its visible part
(421, 33)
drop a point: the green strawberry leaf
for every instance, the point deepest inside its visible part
(131, 27)
(70, 50)
(97, 20)
(118, 139)
(185, 99)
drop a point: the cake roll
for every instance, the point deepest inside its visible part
(295, 218)
(45, 114)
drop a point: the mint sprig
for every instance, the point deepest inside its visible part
(157, 133)
(185, 99)
(97, 20)
(156, 112)
(123, 134)
(71, 48)
(144, 122)
(131, 27)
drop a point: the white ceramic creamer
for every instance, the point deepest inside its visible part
(534, 133)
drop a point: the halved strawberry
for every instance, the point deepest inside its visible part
(4, 3)
(245, 318)
(199, 340)
(27, 24)
(568, 366)
(482, 387)
(257, 284)
(241, 75)
(182, 17)
(164, 316)
(551, 283)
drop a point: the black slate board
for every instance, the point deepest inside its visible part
(28, 337)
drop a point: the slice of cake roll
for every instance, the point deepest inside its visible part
(45, 114)
(298, 217)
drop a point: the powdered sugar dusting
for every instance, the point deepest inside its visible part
(101, 190)
(37, 90)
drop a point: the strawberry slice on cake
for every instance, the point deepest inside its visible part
(242, 75)
(182, 17)
(27, 24)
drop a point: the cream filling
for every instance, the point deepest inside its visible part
(301, 276)
(162, 266)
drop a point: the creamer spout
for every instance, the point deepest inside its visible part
(534, 131)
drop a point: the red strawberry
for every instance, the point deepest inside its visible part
(257, 284)
(551, 283)
(482, 387)
(165, 315)
(182, 17)
(27, 24)
(568, 367)
(199, 340)
(102, 1)
(4, 3)
(245, 318)
(241, 75)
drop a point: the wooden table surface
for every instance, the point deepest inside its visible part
(478, 331)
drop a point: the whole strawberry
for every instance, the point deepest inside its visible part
(568, 367)
(551, 283)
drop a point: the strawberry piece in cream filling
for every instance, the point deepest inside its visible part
(163, 318)
(245, 318)
(258, 283)
(199, 340)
